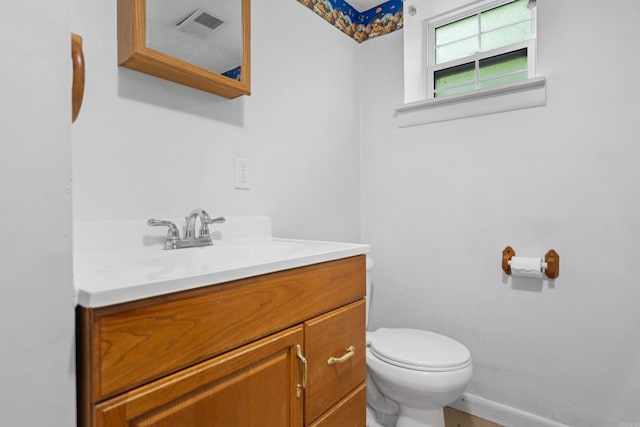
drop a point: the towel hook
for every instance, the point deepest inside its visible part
(77, 88)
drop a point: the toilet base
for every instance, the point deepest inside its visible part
(412, 417)
(377, 419)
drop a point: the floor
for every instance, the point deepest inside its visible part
(452, 418)
(455, 418)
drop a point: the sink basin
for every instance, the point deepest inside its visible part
(264, 249)
(210, 258)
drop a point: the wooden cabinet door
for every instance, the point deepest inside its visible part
(335, 350)
(253, 386)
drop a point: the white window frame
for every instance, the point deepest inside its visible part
(420, 109)
(467, 12)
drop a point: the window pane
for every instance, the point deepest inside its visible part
(457, 30)
(455, 76)
(506, 36)
(504, 80)
(504, 15)
(503, 64)
(453, 91)
(456, 50)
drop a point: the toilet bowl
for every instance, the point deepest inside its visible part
(412, 374)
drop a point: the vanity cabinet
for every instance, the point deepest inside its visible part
(277, 350)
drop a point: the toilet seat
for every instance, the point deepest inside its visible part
(418, 350)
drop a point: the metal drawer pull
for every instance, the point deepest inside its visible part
(348, 355)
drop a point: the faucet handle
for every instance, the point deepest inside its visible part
(218, 220)
(173, 234)
(204, 228)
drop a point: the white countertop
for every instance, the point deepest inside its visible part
(112, 276)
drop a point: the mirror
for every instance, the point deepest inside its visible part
(204, 44)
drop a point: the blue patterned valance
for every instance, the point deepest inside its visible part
(360, 26)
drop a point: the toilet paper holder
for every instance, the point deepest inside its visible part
(551, 259)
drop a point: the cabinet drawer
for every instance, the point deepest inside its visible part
(327, 338)
(351, 411)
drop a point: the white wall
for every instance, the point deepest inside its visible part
(37, 363)
(145, 147)
(441, 201)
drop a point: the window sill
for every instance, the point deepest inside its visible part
(515, 96)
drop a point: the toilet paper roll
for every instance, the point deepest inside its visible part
(526, 266)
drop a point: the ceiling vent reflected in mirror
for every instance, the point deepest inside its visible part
(199, 24)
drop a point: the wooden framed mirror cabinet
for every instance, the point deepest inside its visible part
(204, 44)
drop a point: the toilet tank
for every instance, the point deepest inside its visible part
(369, 287)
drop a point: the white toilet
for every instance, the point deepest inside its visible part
(412, 374)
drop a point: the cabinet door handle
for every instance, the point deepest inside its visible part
(348, 355)
(304, 365)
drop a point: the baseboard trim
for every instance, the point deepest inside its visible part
(501, 414)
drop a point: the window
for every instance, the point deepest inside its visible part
(465, 58)
(489, 46)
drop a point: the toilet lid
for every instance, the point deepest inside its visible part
(419, 350)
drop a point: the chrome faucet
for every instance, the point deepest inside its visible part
(190, 239)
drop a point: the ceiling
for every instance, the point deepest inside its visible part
(363, 5)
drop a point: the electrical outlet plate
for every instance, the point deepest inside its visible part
(242, 174)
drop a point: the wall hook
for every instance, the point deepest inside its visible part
(77, 88)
